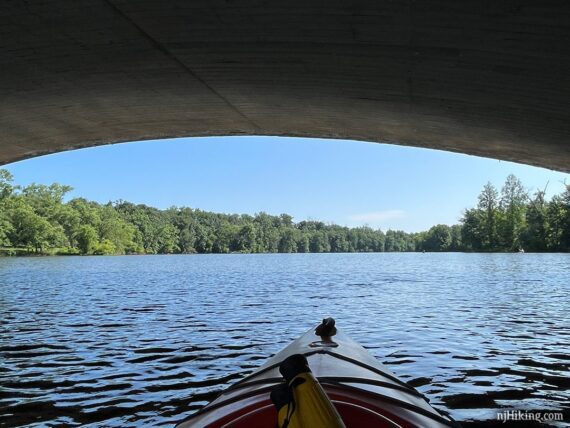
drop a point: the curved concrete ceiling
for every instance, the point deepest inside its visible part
(489, 78)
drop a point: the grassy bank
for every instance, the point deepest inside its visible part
(27, 252)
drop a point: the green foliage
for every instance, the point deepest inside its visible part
(246, 240)
(6, 187)
(438, 238)
(36, 219)
(557, 220)
(6, 190)
(303, 243)
(45, 199)
(105, 248)
(288, 241)
(398, 240)
(87, 239)
(338, 240)
(513, 220)
(319, 242)
(117, 231)
(489, 214)
(516, 221)
(535, 234)
(6, 228)
(472, 230)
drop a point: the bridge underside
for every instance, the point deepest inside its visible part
(488, 78)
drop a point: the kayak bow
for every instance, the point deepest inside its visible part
(363, 391)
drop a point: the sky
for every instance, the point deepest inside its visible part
(336, 181)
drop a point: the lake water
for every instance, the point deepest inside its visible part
(147, 340)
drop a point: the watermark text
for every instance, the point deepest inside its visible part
(526, 415)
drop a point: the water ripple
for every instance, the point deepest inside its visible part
(131, 341)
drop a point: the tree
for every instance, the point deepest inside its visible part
(319, 242)
(535, 236)
(288, 241)
(31, 230)
(154, 236)
(106, 247)
(87, 239)
(267, 233)
(225, 234)
(70, 220)
(246, 239)
(186, 241)
(489, 207)
(513, 206)
(472, 230)
(391, 244)
(398, 240)
(438, 238)
(166, 239)
(204, 240)
(303, 244)
(565, 238)
(113, 228)
(5, 230)
(557, 217)
(286, 220)
(456, 240)
(45, 199)
(6, 187)
(37, 218)
(338, 241)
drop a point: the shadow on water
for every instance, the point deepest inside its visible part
(130, 341)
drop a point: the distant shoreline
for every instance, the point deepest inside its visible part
(6, 253)
(35, 220)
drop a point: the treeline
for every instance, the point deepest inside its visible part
(514, 220)
(34, 219)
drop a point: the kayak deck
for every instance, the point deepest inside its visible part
(363, 391)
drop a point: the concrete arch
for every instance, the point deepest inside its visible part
(488, 78)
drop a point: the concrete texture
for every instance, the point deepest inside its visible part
(488, 78)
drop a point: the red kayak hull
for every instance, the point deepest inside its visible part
(364, 392)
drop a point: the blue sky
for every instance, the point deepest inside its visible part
(345, 182)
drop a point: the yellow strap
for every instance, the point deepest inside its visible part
(311, 408)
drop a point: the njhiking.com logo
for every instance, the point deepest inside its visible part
(526, 415)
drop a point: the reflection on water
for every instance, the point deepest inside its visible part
(132, 341)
